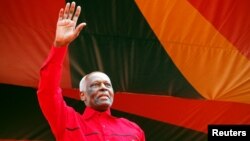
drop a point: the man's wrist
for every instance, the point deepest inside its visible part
(59, 44)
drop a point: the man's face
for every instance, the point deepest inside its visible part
(99, 91)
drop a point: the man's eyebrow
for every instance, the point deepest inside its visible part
(99, 81)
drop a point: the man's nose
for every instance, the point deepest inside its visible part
(103, 86)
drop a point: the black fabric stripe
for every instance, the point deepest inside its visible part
(119, 41)
(22, 119)
(159, 131)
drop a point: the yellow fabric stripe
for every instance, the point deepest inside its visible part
(209, 62)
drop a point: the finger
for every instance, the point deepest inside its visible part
(66, 11)
(79, 28)
(72, 10)
(60, 16)
(77, 13)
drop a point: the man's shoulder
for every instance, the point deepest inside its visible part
(127, 121)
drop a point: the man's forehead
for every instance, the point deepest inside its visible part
(98, 76)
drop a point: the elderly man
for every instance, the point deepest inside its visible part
(96, 123)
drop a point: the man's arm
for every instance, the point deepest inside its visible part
(49, 91)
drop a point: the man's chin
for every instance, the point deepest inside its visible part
(104, 102)
(103, 106)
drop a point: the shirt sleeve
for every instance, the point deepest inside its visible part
(49, 92)
(141, 133)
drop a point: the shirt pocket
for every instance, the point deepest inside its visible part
(73, 133)
(123, 137)
(72, 128)
(93, 136)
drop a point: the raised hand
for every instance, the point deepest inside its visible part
(66, 30)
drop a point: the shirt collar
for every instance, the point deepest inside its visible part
(89, 112)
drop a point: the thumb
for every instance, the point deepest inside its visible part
(79, 28)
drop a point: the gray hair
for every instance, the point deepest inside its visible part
(82, 84)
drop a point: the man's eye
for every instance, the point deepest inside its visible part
(95, 85)
(107, 85)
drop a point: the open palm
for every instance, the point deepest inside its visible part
(67, 30)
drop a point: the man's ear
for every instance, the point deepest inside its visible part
(82, 96)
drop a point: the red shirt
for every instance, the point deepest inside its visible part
(69, 125)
